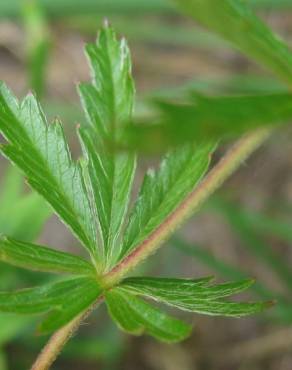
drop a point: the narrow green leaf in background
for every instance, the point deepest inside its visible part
(108, 103)
(236, 22)
(244, 228)
(19, 208)
(65, 8)
(37, 45)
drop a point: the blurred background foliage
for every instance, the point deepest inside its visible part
(244, 231)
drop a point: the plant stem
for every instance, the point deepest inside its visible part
(58, 340)
(226, 166)
(55, 345)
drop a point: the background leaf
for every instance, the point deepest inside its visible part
(255, 244)
(60, 8)
(19, 208)
(236, 22)
(203, 118)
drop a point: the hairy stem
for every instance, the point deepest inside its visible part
(226, 166)
(58, 340)
(55, 344)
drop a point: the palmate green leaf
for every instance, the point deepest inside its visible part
(201, 299)
(108, 103)
(136, 316)
(203, 118)
(40, 258)
(162, 191)
(41, 152)
(236, 22)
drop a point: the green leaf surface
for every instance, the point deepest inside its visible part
(40, 258)
(162, 191)
(41, 152)
(108, 103)
(200, 117)
(183, 290)
(136, 316)
(236, 22)
(174, 285)
(74, 303)
(47, 297)
(196, 298)
(221, 308)
(121, 313)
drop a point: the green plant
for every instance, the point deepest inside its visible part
(91, 195)
(99, 186)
